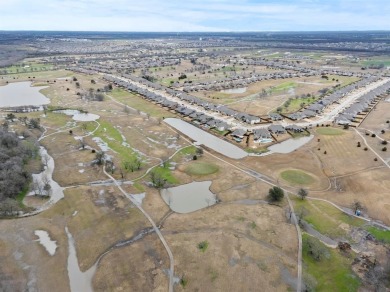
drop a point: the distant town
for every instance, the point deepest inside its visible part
(194, 161)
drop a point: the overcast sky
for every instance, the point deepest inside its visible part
(194, 15)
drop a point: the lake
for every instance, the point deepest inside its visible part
(234, 90)
(189, 197)
(22, 94)
(210, 141)
(290, 145)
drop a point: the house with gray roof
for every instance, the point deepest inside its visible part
(277, 129)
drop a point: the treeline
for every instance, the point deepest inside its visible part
(14, 155)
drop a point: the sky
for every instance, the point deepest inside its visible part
(195, 15)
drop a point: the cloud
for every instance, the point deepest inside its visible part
(193, 15)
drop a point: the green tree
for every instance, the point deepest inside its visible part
(275, 194)
(157, 179)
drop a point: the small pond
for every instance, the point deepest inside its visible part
(77, 115)
(68, 112)
(290, 145)
(85, 117)
(190, 197)
(210, 141)
(44, 239)
(234, 90)
(22, 94)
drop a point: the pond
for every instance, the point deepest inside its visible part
(85, 117)
(77, 115)
(290, 145)
(45, 240)
(22, 94)
(190, 197)
(234, 90)
(210, 141)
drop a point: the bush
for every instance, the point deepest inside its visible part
(202, 246)
(275, 194)
(384, 142)
(373, 135)
(365, 148)
(384, 149)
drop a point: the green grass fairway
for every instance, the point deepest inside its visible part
(329, 131)
(332, 274)
(297, 177)
(201, 168)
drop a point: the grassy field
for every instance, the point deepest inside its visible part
(333, 273)
(283, 87)
(297, 177)
(113, 138)
(166, 174)
(201, 168)
(296, 104)
(27, 68)
(381, 235)
(140, 104)
(329, 131)
(325, 218)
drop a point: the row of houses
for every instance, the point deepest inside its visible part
(242, 80)
(193, 100)
(196, 116)
(317, 107)
(264, 135)
(363, 104)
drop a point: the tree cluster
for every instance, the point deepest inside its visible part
(13, 156)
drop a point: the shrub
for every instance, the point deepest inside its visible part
(373, 135)
(202, 246)
(384, 149)
(384, 142)
(275, 194)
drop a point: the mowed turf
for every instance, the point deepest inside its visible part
(329, 131)
(333, 273)
(201, 168)
(297, 177)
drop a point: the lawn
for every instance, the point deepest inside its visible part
(381, 235)
(325, 218)
(201, 168)
(283, 87)
(166, 174)
(329, 131)
(190, 150)
(113, 138)
(297, 177)
(295, 104)
(333, 273)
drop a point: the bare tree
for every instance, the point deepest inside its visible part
(303, 193)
